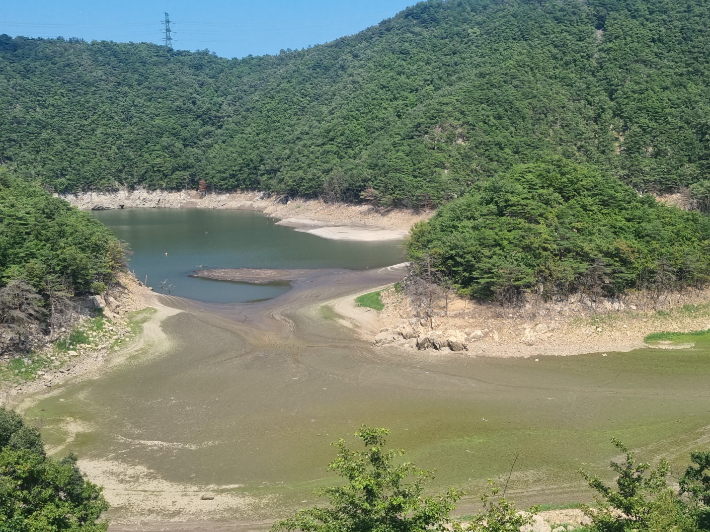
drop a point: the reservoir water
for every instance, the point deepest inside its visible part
(169, 244)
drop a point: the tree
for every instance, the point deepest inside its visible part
(21, 315)
(642, 500)
(38, 493)
(498, 515)
(695, 483)
(425, 286)
(380, 496)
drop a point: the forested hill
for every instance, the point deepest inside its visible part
(416, 108)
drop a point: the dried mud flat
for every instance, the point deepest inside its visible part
(142, 498)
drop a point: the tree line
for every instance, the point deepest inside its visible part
(409, 112)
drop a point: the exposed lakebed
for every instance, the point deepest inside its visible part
(243, 400)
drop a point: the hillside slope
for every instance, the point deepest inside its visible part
(416, 108)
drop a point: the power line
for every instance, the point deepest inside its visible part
(168, 39)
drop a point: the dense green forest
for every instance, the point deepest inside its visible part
(49, 252)
(411, 112)
(557, 228)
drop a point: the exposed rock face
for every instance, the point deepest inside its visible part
(162, 199)
(439, 342)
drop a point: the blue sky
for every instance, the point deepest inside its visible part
(230, 29)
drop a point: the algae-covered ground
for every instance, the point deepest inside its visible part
(243, 403)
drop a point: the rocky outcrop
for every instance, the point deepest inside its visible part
(160, 199)
(436, 340)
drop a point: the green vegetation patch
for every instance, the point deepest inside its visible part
(557, 228)
(138, 318)
(371, 300)
(678, 337)
(26, 368)
(51, 246)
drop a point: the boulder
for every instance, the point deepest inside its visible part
(386, 336)
(408, 334)
(96, 301)
(457, 344)
(424, 342)
(477, 334)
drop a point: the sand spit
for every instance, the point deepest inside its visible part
(254, 275)
(339, 221)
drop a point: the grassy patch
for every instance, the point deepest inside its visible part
(137, 319)
(676, 336)
(327, 313)
(25, 368)
(371, 300)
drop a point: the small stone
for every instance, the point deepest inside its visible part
(207, 497)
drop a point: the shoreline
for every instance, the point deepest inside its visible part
(146, 501)
(334, 221)
(473, 329)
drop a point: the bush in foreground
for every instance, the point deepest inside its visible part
(381, 496)
(38, 493)
(643, 501)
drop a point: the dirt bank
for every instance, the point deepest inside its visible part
(339, 221)
(102, 350)
(570, 328)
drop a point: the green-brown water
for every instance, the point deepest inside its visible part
(238, 397)
(169, 244)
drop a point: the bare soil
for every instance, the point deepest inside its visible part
(570, 328)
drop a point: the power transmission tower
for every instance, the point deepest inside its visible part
(168, 37)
